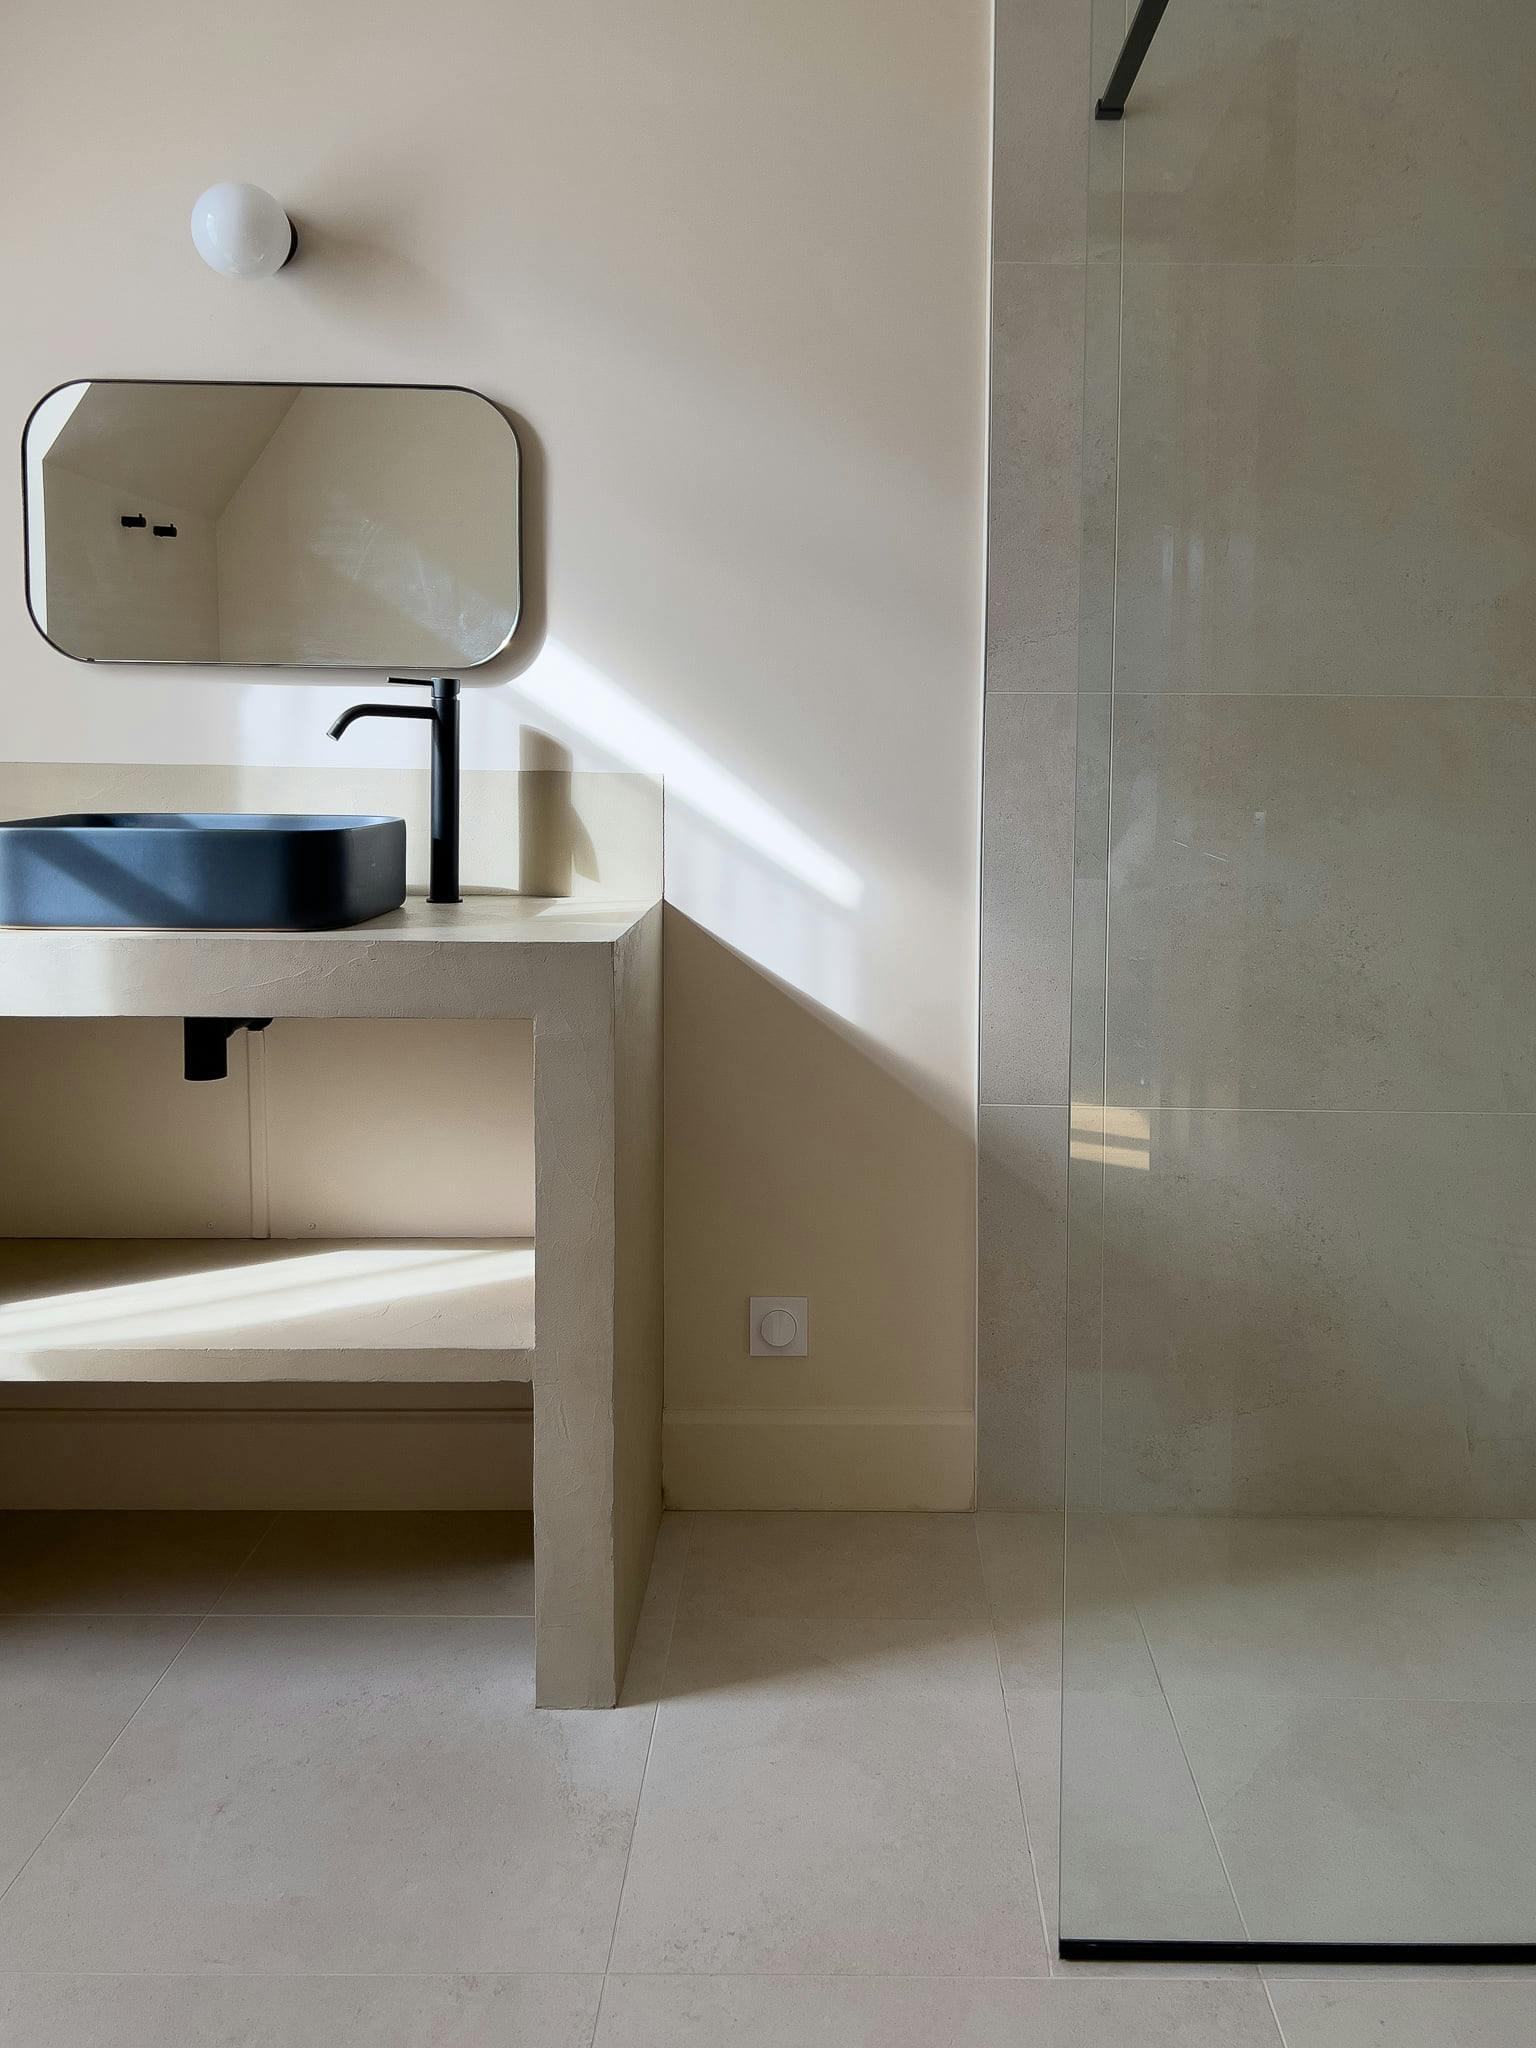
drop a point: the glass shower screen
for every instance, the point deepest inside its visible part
(1300, 1627)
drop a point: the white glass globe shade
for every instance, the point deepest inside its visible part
(241, 231)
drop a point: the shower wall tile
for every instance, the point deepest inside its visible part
(1042, 320)
(1324, 481)
(1040, 157)
(1026, 897)
(1322, 904)
(1021, 1334)
(1034, 506)
(1320, 1313)
(1386, 131)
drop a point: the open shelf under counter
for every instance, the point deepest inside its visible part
(587, 975)
(155, 1310)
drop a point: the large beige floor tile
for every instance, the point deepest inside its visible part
(1371, 1820)
(1324, 1314)
(341, 1795)
(1021, 1557)
(1105, 1649)
(68, 1685)
(1322, 905)
(1138, 1862)
(1386, 131)
(1026, 897)
(1321, 481)
(1035, 1721)
(830, 1567)
(1349, 1607)
(1021, 1289)
(827, 2012)
(388, 1564)
(1436, 2014)
(87, 1563)
(647, 1671)
(834, 1796)
(299, 2012)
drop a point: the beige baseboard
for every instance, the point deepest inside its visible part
(820, 1458)
(266, 1458)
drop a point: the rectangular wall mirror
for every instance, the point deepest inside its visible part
(272, 525)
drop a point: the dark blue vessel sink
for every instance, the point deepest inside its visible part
(201, 870)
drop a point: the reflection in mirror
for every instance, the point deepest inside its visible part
(290, 525)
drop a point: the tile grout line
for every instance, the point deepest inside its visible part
(89, 1777)
(1013, 1754)
(261, 1536)
(661, 1687)
(1173, 1718)
(191, 1636)
(1269, 2000)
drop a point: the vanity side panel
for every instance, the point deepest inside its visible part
(637, 1378)
(573, 1497)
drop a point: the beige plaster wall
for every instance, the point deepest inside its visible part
(728, 267)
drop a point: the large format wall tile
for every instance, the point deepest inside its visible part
(1322, 904)
(1322, 1313)
(1040, 147)
(1026, 898)
(1035, 494)
(1325, 480)
(1388, 131)
(1021, 1231)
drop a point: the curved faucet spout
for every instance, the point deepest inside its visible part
(443, 885)
(377, 711)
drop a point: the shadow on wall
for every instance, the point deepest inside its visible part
(766, 1106)
(553, 846)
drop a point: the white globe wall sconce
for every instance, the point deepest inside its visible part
(241, 231)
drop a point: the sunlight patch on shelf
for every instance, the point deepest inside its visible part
(234, 1303)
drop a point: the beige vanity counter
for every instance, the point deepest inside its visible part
(576, 1312)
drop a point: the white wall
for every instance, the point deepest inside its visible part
(729, 266)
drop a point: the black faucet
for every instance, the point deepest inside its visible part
(443, 879)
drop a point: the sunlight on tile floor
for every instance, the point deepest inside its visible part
(268, 1781)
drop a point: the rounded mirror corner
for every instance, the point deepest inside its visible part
(258, 524)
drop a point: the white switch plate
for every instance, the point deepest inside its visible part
(761, 1308)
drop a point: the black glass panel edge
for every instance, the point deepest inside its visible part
(1075, 1949)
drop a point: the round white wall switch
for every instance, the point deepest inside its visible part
(778, 1326)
